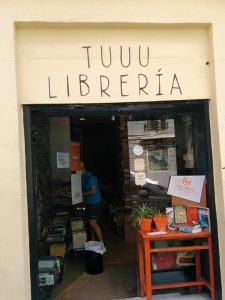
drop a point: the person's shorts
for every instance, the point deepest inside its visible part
(93, 211)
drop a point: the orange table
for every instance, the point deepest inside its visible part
(202, 241)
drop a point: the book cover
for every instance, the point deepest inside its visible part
(180, 215)
(192, 214)
(204, 218)
(191, 226)
(170, 217)
(189, 230)
(185, 258)
(163, 261)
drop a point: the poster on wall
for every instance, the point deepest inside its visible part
(140, 178)
(76, 188)
(62, 159)
(186, 187)
(139, 164)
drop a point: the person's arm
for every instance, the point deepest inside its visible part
(91, 192)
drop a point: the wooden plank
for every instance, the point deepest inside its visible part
(141, 265)
(181, 248)
(174, 235)
(179, 284)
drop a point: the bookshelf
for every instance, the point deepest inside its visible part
(145, 251)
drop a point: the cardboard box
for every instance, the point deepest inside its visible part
(77, 225)
(46, 279)
(58, 249)
(80, 236)
(79, 239)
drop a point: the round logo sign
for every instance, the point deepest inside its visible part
(186, 180)
(138, 150)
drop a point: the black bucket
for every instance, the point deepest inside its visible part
(94, 262)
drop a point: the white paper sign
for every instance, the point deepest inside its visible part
(139, 164)
(76, 187)
(62, 160)
(186, 187)
(140, 178)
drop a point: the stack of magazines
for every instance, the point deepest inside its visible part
(189, 228)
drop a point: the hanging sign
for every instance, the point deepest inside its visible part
(140, 178)
(139, 164)
(76, 187)
(186, 187)
(62, 160)
(138, 150)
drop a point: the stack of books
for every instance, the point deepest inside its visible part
(189, 228)
(189, 219)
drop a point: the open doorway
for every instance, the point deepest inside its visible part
(106, 134)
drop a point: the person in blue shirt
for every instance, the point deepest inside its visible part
(93, 202)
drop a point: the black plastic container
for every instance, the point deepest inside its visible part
(94, 262)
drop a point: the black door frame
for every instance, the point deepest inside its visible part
(110, 109)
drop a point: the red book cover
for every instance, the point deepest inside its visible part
(192, 215)
(163, 261)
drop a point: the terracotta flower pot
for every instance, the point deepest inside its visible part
(145, 224)
(160, 222)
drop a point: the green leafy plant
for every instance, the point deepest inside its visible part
(141, 211)
(159, 212)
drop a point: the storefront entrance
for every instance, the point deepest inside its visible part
(176, 139)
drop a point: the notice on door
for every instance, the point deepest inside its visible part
(139, 164)
(140, 178)
(76, 188)
(62, 160)
(186, 187)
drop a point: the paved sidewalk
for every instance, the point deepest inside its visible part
(173, 296)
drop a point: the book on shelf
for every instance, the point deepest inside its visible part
(187, 225)
(204, 218)
(163, 261)
(170, 217)
(192, 214)
(185, 258)
(180, 214)
(189, 230)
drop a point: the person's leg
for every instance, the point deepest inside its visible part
(94, 226)
(92, 233)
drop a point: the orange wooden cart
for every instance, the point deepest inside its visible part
(201, 241)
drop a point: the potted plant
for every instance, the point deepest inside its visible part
(141, 216)
(160, 219)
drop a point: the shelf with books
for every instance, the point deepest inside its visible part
(175, 269)
(186, 256)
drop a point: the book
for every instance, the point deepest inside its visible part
(191, 226)
(170, 217)
(204, 218)
(163, 261)
(192, 214)
(185, 258)
(180, 215)
(189, 230)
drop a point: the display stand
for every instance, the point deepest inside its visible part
(180, 201)
(201, 241)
